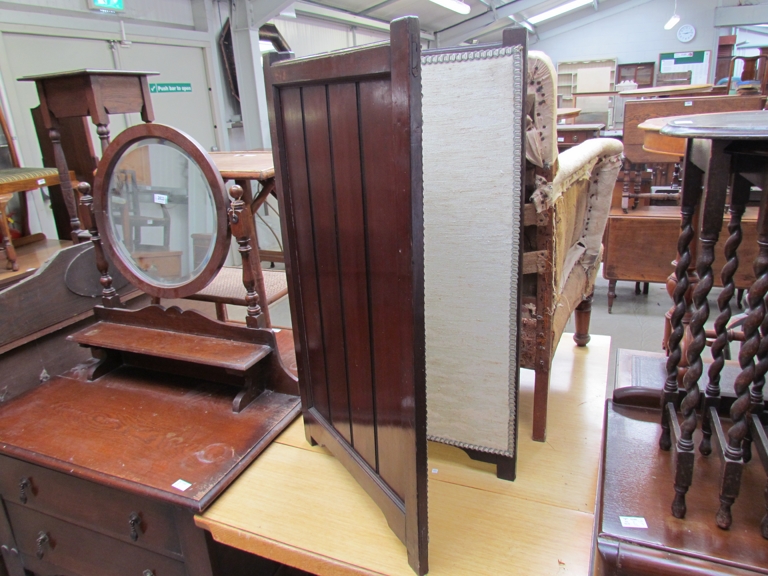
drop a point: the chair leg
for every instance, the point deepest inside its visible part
(540, 398)
(221, 312)
(611, 294)
(5, 234)
(583, 315)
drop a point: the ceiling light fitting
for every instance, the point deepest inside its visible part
(672, 22)
(455, 5)
(558, 10)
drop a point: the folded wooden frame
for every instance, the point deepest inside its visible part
(370, 253)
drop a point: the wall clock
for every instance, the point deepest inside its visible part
(686, 32)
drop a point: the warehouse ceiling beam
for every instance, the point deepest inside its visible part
(729, 16)
(348, 18)
(477, 25)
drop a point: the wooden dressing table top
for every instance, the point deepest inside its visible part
(246, 165)
(142, 431)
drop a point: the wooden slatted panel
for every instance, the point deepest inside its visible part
(322, 200)
(305, 247)
(348, 178)
(382, 220)
(347, 143)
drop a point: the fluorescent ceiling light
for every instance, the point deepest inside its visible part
(558, 10)
(455, 5)
(672, 22)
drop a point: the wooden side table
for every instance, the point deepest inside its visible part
(713, 525)
(244, 166)
(94, 93)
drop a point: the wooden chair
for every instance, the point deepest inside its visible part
(13, 179)
(755, 69)
(227, 288)
(567, 202)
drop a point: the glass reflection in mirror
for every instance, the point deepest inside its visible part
(161, 213)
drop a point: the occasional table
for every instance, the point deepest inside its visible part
(82, 93)
(243, 167)
(716, 527)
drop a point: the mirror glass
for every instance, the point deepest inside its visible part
(161, 213)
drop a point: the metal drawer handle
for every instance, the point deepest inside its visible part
(43, 540)
(134, 521)
(24, 485)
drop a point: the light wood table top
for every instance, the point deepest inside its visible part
(568, 113)
(668, 90)
(656, 143)
(296, 504)
(245, 165)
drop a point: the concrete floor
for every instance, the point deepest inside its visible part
(636, 322)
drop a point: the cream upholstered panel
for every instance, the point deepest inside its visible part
(472, 153)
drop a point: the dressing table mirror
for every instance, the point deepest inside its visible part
(103, 467)
(161, 214)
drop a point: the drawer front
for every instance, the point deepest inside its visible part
(47, 542)
(571, 138)
(119, 514)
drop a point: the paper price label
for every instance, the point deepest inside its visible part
(182, 485)
(161, 199)
(41, 182)
(633, 522)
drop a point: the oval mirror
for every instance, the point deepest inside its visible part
(160, 208)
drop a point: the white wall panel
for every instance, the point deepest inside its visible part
(190, 112)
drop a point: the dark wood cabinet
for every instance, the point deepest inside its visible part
(640, 73)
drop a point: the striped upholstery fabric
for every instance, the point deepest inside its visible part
(10, 175)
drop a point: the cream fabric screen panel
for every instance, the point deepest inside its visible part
(472, 104)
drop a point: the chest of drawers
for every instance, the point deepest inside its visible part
(103, 478)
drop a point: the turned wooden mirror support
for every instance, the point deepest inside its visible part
(156, 189)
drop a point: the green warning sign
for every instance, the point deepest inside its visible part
(170, 88)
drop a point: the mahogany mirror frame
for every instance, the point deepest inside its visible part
(109, 160)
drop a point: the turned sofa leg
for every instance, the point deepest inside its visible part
(540, 398)
(583, 314)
